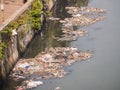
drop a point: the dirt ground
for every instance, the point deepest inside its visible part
(10, 7)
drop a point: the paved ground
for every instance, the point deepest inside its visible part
(10, 6)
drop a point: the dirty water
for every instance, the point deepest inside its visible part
(102, 71)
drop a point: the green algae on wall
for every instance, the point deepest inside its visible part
(11, 45)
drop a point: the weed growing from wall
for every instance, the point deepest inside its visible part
(31, 17)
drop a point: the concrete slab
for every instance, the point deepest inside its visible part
(10, 6)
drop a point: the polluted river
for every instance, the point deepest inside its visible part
(78, 50)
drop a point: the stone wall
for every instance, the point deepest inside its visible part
(51, 4)
(17, 45)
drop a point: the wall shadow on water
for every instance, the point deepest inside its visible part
(45, 40)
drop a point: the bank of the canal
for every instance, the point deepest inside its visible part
(17, 31)
(102, 71)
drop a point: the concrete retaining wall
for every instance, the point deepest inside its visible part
(17, 43)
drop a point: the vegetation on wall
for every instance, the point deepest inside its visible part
(5, 37)
(35, 14)
(2, 46)
(32, 16)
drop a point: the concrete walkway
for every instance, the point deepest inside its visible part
(10, 6)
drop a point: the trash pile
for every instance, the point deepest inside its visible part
(29, 84)
(83, 16)
(54, 19)
(69, 34)
(58, 88)
(83, 10)
(49, 64)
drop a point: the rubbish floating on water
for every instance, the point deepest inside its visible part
(70, 35)
(58, 88)
(32, 84)
(29, 84)
(83, 16)
(79, 17)
(74, 10)
(49, 64)
(82, 20)
(54, 19)
(19, 88)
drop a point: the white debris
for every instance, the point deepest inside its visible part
(14, 32)
(32, 84)
(58, 88)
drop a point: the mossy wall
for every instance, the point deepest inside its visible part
(15, 37)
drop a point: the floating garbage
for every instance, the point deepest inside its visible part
(32, 84)
(80, 16)
(71, 35)
(75, 10)
(29, 84)
(58, 88)
(54, 19)
(83, 16)
(49, 64)
(82, 20)
(19, 88)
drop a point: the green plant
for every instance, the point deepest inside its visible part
(31, 17)
(2, 46)
(7, 31)
(35, 14)
(5, 35)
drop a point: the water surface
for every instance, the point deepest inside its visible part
(102, 72)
